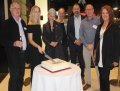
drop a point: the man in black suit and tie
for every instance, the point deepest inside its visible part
(75, 45)
(14, 40)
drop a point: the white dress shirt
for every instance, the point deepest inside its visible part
(77, 22)
(22, 34)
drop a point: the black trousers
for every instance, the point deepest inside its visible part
(65, 51)
(76, 52)
(16, 64)
(104, 79)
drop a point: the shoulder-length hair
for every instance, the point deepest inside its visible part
(32, 16)
(110, 12)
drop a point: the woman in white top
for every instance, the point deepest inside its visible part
(106, 46)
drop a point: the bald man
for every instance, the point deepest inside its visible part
(63, 23)
(87, 35)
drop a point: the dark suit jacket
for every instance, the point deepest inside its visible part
(48, 38)
(71, 30)
(110, 47)
(10, 34)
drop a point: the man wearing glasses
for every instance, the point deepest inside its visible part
(14, 40)
(87, 35)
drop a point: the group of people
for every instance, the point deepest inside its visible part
(89, 37)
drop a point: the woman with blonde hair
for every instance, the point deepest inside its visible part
(34, 37)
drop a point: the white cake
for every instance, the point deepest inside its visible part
(57, 65)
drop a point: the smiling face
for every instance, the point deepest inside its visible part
(51, 14)
(61, 13)
(36, 13)
(51, 17)
(76, 10)
(89, 10)
(15, 10)
(105, 15)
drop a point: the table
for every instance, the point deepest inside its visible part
(67, 80)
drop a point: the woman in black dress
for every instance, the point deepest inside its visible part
(34, 37)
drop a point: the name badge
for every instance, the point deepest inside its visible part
(94, 26)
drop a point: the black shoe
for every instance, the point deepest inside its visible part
(87, 86)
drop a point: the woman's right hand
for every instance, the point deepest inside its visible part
(40, 50)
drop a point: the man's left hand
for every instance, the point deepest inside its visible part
(90, 47)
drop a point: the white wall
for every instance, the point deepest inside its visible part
(6, 9)
(23, 10)
(43, 4)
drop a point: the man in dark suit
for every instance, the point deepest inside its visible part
(14, 40)
(75, 45)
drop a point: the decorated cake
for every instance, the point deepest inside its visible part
(56, 65)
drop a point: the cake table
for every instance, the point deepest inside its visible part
(65, 80)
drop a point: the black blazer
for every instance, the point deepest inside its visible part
(71, 30)
(48, 38)
(110, 47)
(47, 35)
(10, 33)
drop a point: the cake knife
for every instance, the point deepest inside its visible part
(48, 57)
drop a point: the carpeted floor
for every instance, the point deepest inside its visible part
(2, 76)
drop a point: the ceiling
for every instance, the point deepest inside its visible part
(65, 3)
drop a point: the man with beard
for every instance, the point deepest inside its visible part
(74, 42)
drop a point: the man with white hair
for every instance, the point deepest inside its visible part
(14, 40)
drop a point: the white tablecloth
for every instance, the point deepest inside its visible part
(67, 80)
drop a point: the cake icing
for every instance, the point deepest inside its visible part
(55, 65)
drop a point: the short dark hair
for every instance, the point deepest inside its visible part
(76, 4)
(110, 12)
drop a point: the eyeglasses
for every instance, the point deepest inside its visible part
(16, 8)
